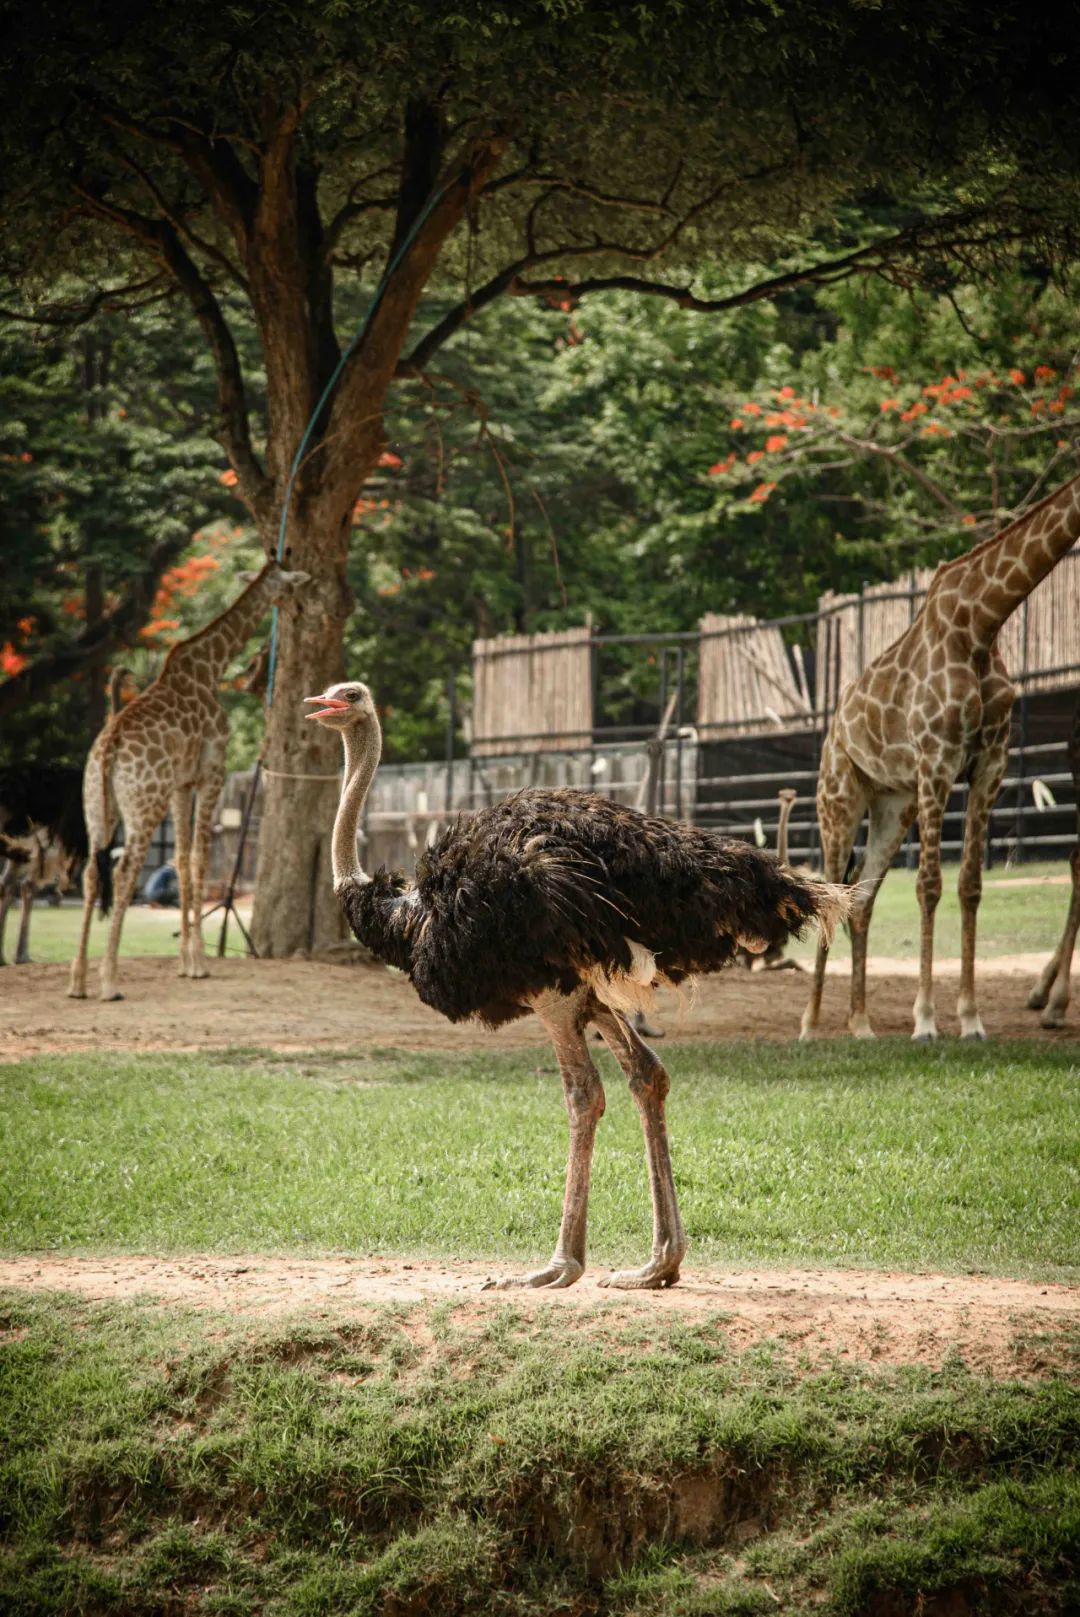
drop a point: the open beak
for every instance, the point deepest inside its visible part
(330, 704)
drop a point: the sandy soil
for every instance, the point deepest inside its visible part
(1002, 1327)
(298, 1004)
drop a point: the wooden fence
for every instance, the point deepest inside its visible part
(532, 691)
(749, 679)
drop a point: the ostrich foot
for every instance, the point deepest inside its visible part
(560, 1272)
(662, 1270)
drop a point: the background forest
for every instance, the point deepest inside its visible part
(621, 458)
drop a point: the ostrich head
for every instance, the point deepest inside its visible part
(343, 706)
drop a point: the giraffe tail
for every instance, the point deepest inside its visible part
(103, 861)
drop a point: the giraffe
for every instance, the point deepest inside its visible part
(1051, 993)
(935, 705)
(167, 746)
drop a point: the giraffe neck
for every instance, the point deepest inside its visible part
(1001, 573)
(213, 648)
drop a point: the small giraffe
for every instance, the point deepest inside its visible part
(1051, 993)
(167, 746)
(934, 706)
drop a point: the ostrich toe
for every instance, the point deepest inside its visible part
(560, 1272)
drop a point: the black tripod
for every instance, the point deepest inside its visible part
(227, 901)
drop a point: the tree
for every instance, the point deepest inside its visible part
(266, 153)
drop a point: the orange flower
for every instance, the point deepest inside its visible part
(26, 626)
(735, 424)
(888, 404)
(968, 521)
(12, 661)
(775, 443)
(722, 465)
(1045, 373)
(884, 373)
(786, 393)
(1037, 406)
(918, 408)
(751, 409)
(1018, 377)
(229, 478)
(26, 457)
(754, 455)
(388, 458)
(426, 574)
(762, 492)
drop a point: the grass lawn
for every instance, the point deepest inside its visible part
(1012, 919)
(426, 1458)
(948, 1157)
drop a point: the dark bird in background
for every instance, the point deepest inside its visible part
(43, 829)
(569, 906)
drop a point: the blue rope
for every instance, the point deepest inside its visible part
(298, 458)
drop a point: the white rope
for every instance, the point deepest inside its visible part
(285, 774)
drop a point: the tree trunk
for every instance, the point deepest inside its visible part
(94, 603)
(295, 909)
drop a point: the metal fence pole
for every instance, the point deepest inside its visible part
(451, 729)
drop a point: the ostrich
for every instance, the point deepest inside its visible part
(572, 907)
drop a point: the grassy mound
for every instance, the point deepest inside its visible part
(425, 1461)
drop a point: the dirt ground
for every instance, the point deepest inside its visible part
(999, 1327)
(298, 1004)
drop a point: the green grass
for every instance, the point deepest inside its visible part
(55, 932)
(416, 1460)
(948, 1157)
(1011, 920)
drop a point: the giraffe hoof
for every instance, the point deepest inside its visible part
(924, 1038)
(977, 1037)
(106, 998)
(1052, 1020)
(1036, 1001)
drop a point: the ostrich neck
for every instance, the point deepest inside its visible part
(363, 746)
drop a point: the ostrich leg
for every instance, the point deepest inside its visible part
(649, 1085)
(564, 1016)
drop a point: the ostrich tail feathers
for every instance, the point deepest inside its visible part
(832, 904)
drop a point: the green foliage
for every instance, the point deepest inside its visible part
(105, 458)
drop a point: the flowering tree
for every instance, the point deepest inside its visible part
(264, 158)
(915, 466)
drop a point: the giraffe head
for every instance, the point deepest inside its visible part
(281, 584)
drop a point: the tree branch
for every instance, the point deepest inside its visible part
(234, 428)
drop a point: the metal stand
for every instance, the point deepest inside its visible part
(227, 902)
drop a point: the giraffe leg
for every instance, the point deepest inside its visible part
(934, 785)
(649, 1085)
(139, 828)
(565, 1016)
(181, 813)
(986, 777)
(210, 788)
(1056, 999)
(7, 898)
(889, 819)
(77, 981)
(837, 840)
(22, 947)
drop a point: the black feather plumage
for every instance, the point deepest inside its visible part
(525, 895)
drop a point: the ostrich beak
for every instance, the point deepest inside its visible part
(331, 704)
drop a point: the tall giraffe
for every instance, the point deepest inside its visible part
(167, 746)
(1051, 993)
(935, 705)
